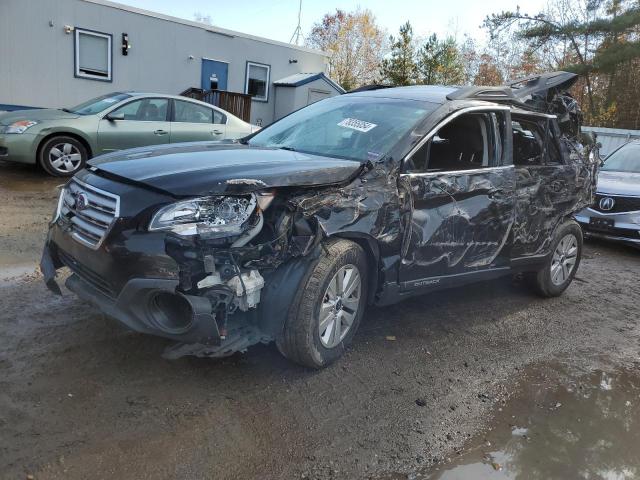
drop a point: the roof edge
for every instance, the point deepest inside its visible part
(309, 79)
(203, 26)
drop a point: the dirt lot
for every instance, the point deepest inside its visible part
(81, 397)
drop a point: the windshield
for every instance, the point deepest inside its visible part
(625, 159)
(350, 127)
(96, 105)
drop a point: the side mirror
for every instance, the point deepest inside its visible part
(115, 116)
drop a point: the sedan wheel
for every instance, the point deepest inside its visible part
(65, 158)
(62, 156)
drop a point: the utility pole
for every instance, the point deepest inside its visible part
(298, 30)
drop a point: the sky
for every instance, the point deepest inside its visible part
(277, 19)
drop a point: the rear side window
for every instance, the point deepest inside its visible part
(528, 142)
(468, 142)
(535, 142)
(192, 113)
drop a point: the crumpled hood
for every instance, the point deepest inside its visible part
(619, 183)
(202, 168)
(38, 114)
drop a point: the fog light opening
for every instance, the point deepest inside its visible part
(170, 313)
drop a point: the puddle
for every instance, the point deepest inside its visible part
(588, 428)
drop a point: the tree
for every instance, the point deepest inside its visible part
(400, 68)
(355, 43)
(440, 62)
(488, 72)
(589, 37)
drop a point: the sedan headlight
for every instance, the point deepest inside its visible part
(19, 127)
(211, 217)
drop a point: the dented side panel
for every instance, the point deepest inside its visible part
(457, 222)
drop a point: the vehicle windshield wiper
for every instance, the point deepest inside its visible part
(67, 110)
(286, 147)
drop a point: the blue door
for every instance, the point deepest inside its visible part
(214, 75)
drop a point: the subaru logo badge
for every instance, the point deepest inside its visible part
(606, 203)
(82, 201)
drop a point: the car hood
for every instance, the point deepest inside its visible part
(204, 168)
(37, 114)
(619, 183)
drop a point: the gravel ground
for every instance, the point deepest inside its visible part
(81, 397)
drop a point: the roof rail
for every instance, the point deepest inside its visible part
(491, 94)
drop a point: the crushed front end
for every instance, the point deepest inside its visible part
(196, 270)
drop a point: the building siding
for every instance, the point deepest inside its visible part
(37, 60)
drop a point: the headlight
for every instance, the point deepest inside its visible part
(19, 127)
(211, 217)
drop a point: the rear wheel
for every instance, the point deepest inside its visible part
(327, 309)
(562, 265)
(62, 156)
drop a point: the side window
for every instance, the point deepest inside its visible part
(192, 113)
(528, 142)
(468, 142)
(146, 110)
(219, 117)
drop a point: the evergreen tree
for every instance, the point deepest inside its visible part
(440, 62)
(400, 68)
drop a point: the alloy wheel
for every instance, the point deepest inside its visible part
(340, 305)
(564, 259)
(65, 157)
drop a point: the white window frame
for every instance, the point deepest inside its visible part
(246, 80)
(76, 43)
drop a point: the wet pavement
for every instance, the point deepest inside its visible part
(559, 425)
(483, 381)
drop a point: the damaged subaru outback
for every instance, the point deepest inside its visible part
(362, 199)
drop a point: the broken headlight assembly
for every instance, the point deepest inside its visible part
(210, 217)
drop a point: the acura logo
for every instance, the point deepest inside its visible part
(607, 203)
(82, 201)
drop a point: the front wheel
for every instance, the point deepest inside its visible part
(327, 309)
(62, 156)
(562, 265)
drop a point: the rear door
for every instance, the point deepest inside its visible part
(461, 187)
(192, 122)
(143, 122)
(547, 182)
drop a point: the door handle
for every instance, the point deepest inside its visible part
(160, 132)
(216, 132)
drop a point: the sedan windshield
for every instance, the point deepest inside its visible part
(625, 159)
(96, 105)
(350, 127)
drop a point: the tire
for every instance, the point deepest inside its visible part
(302, 340)
(62, 156)
(554, 278)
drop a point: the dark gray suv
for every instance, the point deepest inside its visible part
(367, 198)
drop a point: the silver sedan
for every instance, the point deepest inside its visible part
(615, 215)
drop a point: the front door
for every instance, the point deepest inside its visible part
(460, 191)
(214, 75)
(139, 123)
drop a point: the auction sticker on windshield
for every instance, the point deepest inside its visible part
(355, 124)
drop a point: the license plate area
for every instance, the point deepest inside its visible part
(601, 223)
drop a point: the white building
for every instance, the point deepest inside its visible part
(63, 52)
